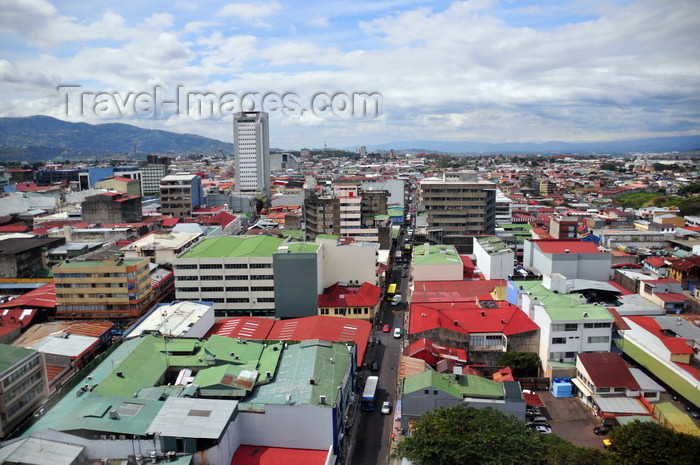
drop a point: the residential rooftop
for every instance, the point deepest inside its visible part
(235, 247)
(460, 387)
(563, 307)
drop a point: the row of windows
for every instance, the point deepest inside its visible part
(15, 391)
(493, 340)
(229, 289)
(597, 325)
(88, 285)
(241, 300)
(17, 374)
(68, 296)
(228, 266)
(242, 277)
(346, 311)
(26, 399)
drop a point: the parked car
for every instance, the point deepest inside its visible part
(386, 408)
(397, 333)
(543, 429)
(374, 366)
(385, 329)
(695, 414)
(604, 429)
(538, 421)
(533, 412)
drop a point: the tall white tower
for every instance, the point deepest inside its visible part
(251, 139)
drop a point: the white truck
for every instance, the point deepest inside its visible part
(396, 299)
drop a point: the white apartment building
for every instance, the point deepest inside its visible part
(251, 138)
(350, 214)
(568, 326)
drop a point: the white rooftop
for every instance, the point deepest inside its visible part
(174, 319)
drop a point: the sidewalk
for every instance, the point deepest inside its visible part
(396, 432)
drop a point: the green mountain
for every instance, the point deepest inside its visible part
(39, 138)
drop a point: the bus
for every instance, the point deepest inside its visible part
(367, 402)
(391, 291)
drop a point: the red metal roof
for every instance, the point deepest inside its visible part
(670, 296)
(675, 345)
(431, 353)
(607, 369)
(170, 222)
(367, 295)
(14, 228)
(43, 297)
(470, 318)
(617, 286)
(327, 328)
(245, 327)
(453, 291)
(533, 399)
(561, 246)
(655, 262)
(504, 374)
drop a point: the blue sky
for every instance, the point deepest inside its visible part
(477, 70)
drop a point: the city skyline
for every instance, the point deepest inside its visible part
(480, 70)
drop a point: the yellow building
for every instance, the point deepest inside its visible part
(103, 289)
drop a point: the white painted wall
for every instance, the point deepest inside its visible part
(344, 263)
(296, 426)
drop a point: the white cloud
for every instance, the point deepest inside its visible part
(319, 21)
(250, 10)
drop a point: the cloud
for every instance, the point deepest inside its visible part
(250, 10)
(319, 21)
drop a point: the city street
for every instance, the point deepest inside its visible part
(371, 435)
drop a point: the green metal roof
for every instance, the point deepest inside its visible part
(11, 355)
(327, 236)
(659, 369)
(493, 245)
(303, 247)
(395, 211)
(300, 364)
(563, 307)
(132, 380)
(466, 386)
(235, 246)
(434, 256)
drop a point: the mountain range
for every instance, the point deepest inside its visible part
(43, 138)
(40, 138)
(656, 144)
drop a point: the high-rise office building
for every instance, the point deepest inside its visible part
(251, 139)
(458, 207)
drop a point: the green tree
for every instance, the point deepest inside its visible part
(523, 364)
(648, 443)
(464, 435)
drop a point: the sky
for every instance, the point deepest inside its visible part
(346, 74)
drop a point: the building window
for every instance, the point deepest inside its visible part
(476, 340)
(558, 340)
(598, 339)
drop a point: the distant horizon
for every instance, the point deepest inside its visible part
(370, 73)
(653, 145)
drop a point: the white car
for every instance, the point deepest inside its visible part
(543, 429)
(397, 333)
(386, 408)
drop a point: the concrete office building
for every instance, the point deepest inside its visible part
(251, 137)
(458, 206)
(180, 194)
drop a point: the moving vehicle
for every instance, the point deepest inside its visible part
(370, 391)
(386, 408)
(385, 328)
(391, 290)
(397, 333)
(375, 365)
(396, 299)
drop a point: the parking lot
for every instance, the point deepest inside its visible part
(571, 420)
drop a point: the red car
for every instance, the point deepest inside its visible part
(385, 329)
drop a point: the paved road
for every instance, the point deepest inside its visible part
(571, 420)
(371, 435)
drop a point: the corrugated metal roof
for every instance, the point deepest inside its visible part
(620, 404)
(34, 451)
(260, 455)
(186, 417)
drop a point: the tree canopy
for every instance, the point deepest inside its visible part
(523, 364)
(466, 435)
(648, 443)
